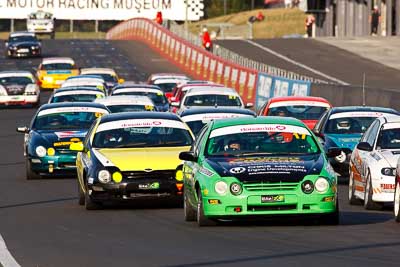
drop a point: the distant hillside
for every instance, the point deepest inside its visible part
(277, 23)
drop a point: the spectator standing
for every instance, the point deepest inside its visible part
(310, 20)
(375, 19)
(206, 40)
(159, 19)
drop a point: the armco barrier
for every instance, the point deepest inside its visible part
(269, 86)
(194, 60)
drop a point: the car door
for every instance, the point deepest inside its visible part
(370, 138)
(191, 168)
(83, 159)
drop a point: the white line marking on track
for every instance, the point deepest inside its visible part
(296, 63)
(6, 259)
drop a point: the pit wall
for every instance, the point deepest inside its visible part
(253, 86)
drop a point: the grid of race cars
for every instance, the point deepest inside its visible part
(200, 143)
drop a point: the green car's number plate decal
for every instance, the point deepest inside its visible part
(272, 198)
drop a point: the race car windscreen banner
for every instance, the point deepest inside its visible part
(103, 9)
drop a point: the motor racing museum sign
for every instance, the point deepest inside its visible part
(104, 9)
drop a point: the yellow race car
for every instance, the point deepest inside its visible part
(52, 72)
(131, 155)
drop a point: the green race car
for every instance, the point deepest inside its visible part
(251, 167)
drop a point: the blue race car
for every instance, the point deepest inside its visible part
(343, 127)
(53, 128)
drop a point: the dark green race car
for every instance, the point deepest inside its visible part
(53, 128)
(251, 167)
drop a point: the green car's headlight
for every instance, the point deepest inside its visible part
(40, 151)
(104, 176)
(321, 185)
(221, 187)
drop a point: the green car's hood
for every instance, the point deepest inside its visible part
(268, 169)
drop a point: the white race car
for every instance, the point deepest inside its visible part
(127, 103)
(373, 163)
(18, 88)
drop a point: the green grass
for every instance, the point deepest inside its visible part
(277, 22)
(67, 35)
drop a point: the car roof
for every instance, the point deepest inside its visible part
(140, 115)
(298, 98)
(69, 91)
(131, 84)
(22, 33)
(211, 90)
(82, 82)
(195, 110)
(71, 104)
(125, 100)
(362, 108)
(110, 71)
(257, 120)
(76, 88)
(51, 60)
(163, 75)
(15, 73)
(85, 77)
(391, 118)
(138, 89)
(185, 87)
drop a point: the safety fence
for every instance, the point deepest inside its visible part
(201, 64)
(231, 56)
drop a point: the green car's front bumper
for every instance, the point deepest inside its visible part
(54, 165)
(249, 203)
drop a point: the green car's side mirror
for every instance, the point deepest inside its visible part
(77, 146)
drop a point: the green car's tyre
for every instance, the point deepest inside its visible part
(397, 203)
(190, 213)
(90, 204)
(331, 218)
(30, 175)
(352, 198)
(81, 195)
(202, 220)
(369, 204)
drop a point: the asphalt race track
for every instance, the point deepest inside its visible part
(327, 59)
(43, 225)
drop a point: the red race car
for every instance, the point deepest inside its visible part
(305, 108)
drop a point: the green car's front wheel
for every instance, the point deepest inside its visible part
(202, 220)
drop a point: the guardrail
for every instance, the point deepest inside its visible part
(250, 83)
(231, 56)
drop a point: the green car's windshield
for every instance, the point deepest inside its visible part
(389, 139)
(260, 139)
(129, 108)
(65, 120)
(139, 137)
(303, 112)
(212, 100)
(74, 98)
